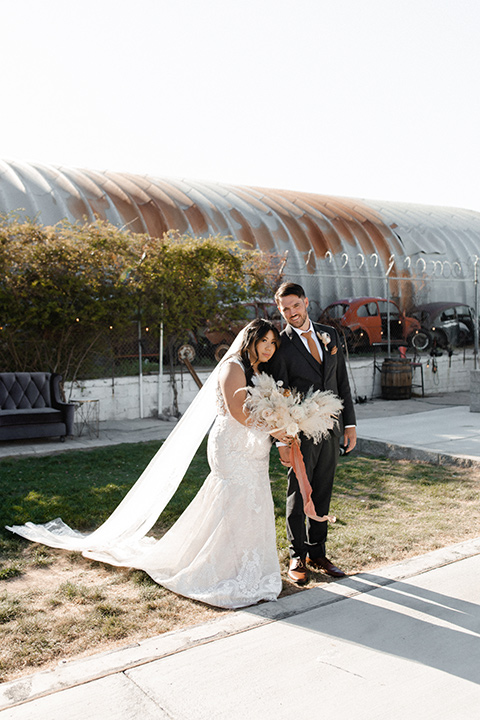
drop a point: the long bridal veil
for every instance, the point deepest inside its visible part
(122, 535)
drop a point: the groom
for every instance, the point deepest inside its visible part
(310, 356)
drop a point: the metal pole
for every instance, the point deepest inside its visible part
(160, 372)
(390, 266)
(192, 372)
(475, 328)
(388, 317)
(140, 368)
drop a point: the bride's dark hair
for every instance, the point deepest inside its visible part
(252, 334)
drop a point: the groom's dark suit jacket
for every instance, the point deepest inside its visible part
(298, 369)
(295, 365)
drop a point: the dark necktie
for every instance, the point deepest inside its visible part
(312, 345)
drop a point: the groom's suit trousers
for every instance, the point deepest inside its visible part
(308, 536)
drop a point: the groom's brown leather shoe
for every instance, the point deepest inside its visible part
(323, 563)
(297, 572)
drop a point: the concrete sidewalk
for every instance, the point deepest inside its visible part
(112, 432)
(438, 429)
(400, 642)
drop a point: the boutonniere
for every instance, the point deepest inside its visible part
(325, 338)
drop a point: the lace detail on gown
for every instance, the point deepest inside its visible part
(222, 550)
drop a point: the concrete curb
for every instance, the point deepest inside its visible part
(379, 448)
(78, 672)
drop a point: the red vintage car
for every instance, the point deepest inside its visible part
(364, 321)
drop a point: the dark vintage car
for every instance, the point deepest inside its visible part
(366, 320)
(448, 324)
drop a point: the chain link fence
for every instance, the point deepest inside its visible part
(139, 348)
(402, 306)
(390, 306)
(417, 305)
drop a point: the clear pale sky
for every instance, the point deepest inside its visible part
(374, 99)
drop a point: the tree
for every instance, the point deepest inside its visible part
(63, 287)
(60, 287)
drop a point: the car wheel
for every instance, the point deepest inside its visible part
(186, 352)
(220, 351)
(442, 339)
(343, 335)
(420, 340)
(463, 335)
(356, 340)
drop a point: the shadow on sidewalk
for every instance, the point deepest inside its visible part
(403, 620)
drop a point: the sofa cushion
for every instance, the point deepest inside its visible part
(30, 417)
(24, 390)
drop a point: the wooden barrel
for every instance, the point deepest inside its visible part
(396, 378)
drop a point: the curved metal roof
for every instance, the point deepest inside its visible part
(336, 246)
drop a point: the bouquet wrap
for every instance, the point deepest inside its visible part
(272, 407)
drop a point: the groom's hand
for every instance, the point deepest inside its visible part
(350, 438)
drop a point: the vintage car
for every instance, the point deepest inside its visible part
(222, 330)
(448, 324)
(364, 321)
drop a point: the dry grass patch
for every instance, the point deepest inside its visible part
(77, 607)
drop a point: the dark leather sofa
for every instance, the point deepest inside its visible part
(31, 406)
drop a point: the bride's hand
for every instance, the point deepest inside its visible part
(282, 436)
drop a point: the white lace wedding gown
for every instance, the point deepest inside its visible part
(222, 549)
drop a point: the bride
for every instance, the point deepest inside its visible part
(222, 549)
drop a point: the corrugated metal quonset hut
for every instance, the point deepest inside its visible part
(337, 247)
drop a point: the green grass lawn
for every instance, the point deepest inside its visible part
(57, 604)
(382, 506)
